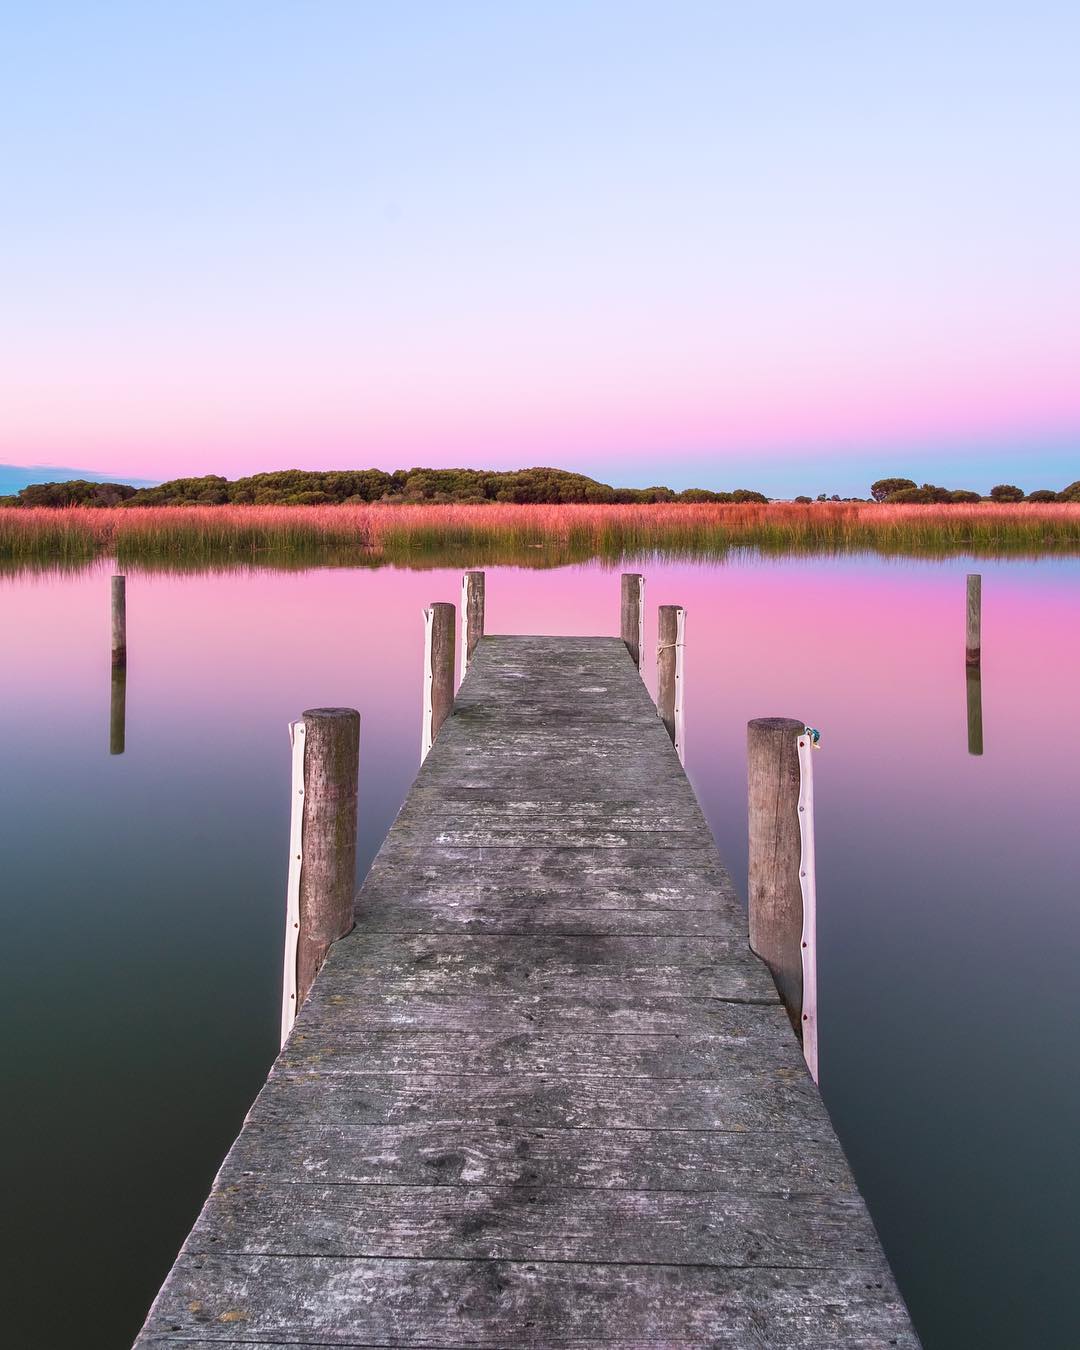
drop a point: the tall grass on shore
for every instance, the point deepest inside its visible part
(291, 536)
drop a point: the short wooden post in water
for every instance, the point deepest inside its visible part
(472, 616)
(775, 890)
(118, 710)
(326, 798)
(973, 645)
(439, 622)
(669, 669)
(119, 621)
(632, 614)
(974, 710)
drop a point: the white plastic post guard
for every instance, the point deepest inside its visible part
(429, 680)
(297, 737)
(640, 622)
(464, 625)
(808, 882)
(680, 683)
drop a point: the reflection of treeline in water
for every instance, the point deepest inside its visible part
(358, 487)
(426, 536)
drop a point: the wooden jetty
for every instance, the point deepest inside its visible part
(543, 1094)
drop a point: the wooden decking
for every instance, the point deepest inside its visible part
(544, 1094)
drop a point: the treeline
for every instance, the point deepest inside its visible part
(904, 491)
(302, 487)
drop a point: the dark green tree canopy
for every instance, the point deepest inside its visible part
(304, 487)
(885, 487)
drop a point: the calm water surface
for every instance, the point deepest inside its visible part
(143, 893)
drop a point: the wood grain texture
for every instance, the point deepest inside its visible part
(776, 917)
(973, 634)
(442, 664)
(118, 620)
(474, 612)
(543, 1094)
(667, 636)
(630, 615)
(328, 871)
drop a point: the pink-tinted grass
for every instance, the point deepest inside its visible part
(198, 535)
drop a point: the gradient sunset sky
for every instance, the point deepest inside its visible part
(791, 246)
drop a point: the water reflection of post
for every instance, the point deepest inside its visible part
(118, 710)
(974, 710)
(118, 645)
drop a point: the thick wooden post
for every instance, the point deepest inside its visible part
(669, 669)
(472, 616)
(327, 796)
(438, 670)
(632, 614)
(117, 710)
(119, 621)
(973, 643)
(775, 891)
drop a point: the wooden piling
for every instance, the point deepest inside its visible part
(775, 893)
(974, 619)
(328, 837)
(472, 616)
(974, 710)
(667, 690)
(632, 614)
(119, 621)
(118, 710)
(439, 621)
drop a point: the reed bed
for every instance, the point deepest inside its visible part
(428, 535)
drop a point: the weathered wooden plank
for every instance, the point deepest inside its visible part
(457, 913)
(551, 861)
(359, 1301)
(532, 1008)
(770, 1097)
(532, 1223)
(415, 964)
(296, 1143)
(335, 1042)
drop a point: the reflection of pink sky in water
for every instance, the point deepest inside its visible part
(863, 649)
(949, 931)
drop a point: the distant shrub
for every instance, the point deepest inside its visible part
(75, 492)
(883, 489)
(1006, 492)
(1071, 493)
(927, 495)
(804, 501)
(1042, 495)
(961, 495)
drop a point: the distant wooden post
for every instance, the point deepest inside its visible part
(974, 619)
(118, 710)
(322, 861)
(670, 631)
(472, 616)
(775, 891)
(438, 671)
(119, 621)
(974, 710)
(632, 614)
